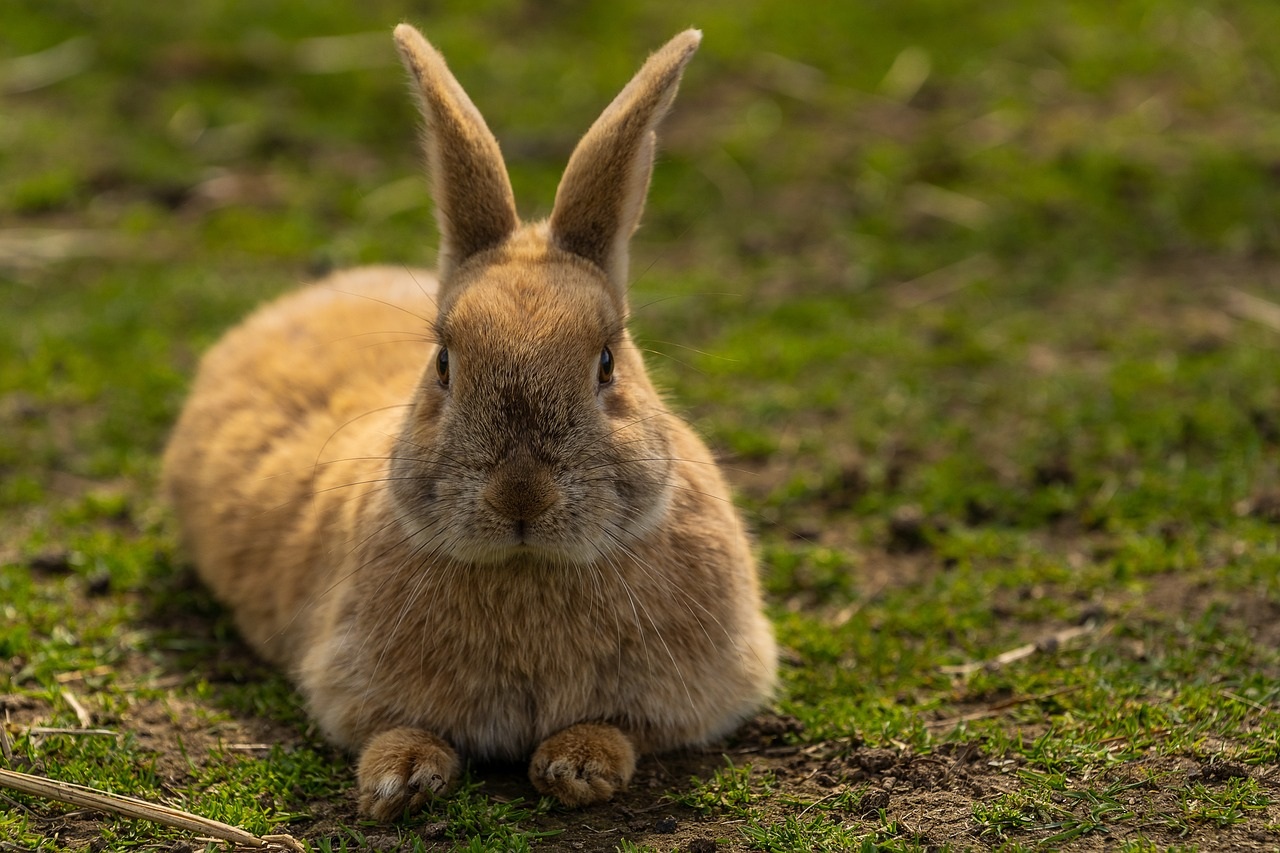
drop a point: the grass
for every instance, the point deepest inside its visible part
(950, 289)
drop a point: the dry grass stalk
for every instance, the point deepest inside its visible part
(999, 708)
(79, 795)
(1255, 308)
(81, 712)
(73, 732)
(5, 749)
(1051, 643)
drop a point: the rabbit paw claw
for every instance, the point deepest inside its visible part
(401, 769)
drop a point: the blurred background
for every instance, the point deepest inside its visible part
(854, 200)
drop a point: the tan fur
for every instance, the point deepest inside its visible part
(600, 198)
(393, 756)
(583, 764)
(474, 204)
(523, 562)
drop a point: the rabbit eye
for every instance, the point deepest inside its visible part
(442, 366)
(606, 366)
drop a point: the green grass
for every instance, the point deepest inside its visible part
(950, 287)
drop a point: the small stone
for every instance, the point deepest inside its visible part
(907, 529)
(875, 760)
(434, 831)
(53, 562)
(1092, 613)
(1264, 506)
(1219, 771)
(978, 512)
(1054, 471)
(665, 825)
(20, 407)
(99, 584)
(873, 802)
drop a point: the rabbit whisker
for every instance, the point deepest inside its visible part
(670, 485)
(385, 302)
(687, 599)
(317, 596)
(356, 335)
(390, 636)
(686, 365)
(690, 349)
(430, 297)
(397, 341)
(657, 632)
(356, 419)
(623, 428)
(635, 613)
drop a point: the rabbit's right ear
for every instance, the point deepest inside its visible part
(475, 208)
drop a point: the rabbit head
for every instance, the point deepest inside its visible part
(535, 433)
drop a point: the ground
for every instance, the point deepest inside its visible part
(768, 775)
(978, 304)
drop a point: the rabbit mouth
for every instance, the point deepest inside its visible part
(524, 540)
(525, 549)
(554, 538)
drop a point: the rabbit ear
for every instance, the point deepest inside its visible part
(602, 192)
(475, 208)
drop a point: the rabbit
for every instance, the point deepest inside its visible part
(454, 508)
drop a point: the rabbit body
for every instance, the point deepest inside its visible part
(456, 510)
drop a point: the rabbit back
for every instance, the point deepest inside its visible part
(286, 430)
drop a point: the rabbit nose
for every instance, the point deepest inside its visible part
(521, 489)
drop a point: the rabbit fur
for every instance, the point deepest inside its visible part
(454, 507)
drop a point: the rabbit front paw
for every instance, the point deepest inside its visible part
(583, 764)
(401, 769)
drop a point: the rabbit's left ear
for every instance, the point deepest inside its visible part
(603, 190)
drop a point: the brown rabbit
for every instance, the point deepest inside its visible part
(456, 509)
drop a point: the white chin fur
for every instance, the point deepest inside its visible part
(486, 552)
